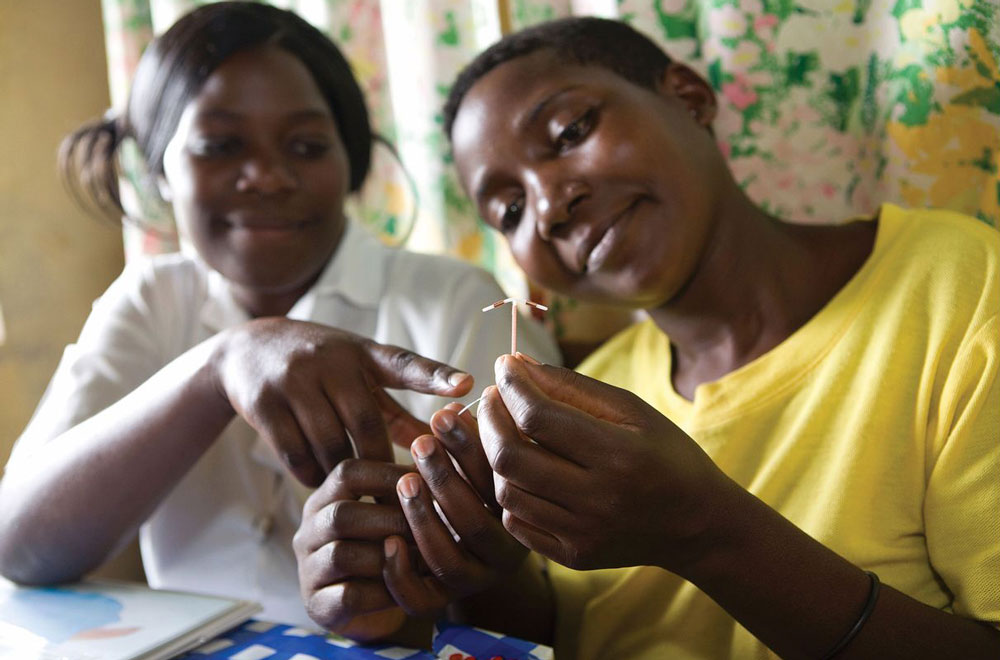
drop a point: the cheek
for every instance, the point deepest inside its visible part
(338, 169)
(195, 183)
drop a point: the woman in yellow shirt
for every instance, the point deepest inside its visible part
(804, 459)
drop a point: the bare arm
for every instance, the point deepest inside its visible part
(793, 593)
(313, 392)
(86, 492)
(766, 573)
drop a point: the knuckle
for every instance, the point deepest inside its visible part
(504, 458)
(316, 498)
(338, 518)
(530, 419)
(502, 491)
(352, 598)
(296, 459)
(400, 361)
(263, 396)
(310, 349)
(478, 534)
(369, 424)
(338, 557)
(303, 357)
(450, 574)
(342, 472)
(394, 521)
(581, 552)
(441, 372)
(327, 612)
(436, 477)
(507, 382)
(299, 543)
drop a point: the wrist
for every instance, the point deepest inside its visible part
(212, 368)
(724, 536)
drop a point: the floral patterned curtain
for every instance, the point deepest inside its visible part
(827, 107)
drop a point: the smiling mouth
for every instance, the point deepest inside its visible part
(268, 227)
(596, 253)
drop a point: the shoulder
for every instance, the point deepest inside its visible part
(944, 241)
(152, 293)
(436, 278)
(159, 274)
(949, 260)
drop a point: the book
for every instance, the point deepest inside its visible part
(110, 620)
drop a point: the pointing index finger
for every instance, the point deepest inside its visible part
(400, 368)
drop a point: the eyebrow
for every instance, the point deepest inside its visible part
(307, 114)
(533, 114)
(521, 124)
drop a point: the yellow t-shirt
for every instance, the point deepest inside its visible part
(875, 428)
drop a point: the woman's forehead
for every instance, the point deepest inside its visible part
(516, 79)
(259, 78)
(503, 96)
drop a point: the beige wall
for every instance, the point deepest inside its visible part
(54, 259)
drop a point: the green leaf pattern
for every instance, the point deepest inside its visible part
(827, 107)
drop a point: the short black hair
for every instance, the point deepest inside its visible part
(171, 73)
(579, 39)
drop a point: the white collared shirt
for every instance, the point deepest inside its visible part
(226, 527)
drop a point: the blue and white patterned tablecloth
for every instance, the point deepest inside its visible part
(261, 640)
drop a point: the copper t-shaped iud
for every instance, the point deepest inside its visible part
(513, 328)
(513, 316)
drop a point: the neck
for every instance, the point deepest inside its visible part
(759, 281)
(277, 303)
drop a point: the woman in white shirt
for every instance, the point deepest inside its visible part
(205, 391)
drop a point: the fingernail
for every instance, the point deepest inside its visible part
(408, 486)
(457, 378)
(390, 546)
(443, 423)
(422, 447)
(527, 358)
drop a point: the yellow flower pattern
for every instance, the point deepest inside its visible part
(827, 107)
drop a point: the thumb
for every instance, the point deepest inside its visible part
(598, 399)
(400, 368)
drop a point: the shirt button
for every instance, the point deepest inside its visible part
(263, 524)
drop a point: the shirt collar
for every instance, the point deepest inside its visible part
(356, 272)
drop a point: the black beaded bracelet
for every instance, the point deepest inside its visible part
(865, 614)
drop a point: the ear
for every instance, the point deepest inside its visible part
(684, 83)
(163, 186)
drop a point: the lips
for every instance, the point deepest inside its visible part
(598, 242)
(269, 224)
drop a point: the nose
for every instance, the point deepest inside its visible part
(555, 202)
(265, 174)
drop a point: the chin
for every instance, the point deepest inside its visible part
(624, 291)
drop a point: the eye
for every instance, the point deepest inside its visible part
(308, 147)
(575, 131)
(509, 212)
(215, 147)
